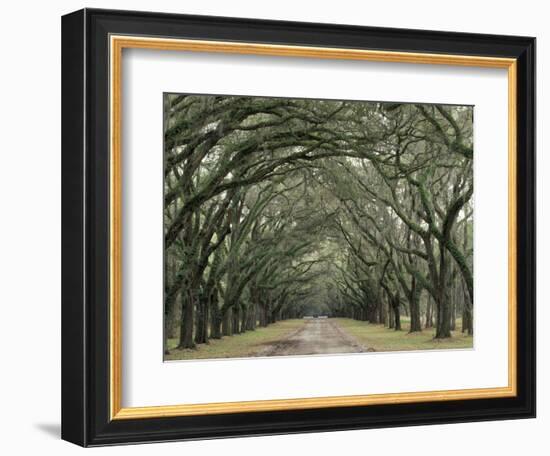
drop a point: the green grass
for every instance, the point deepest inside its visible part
(383, 339)
(242, 345)
(376, 337)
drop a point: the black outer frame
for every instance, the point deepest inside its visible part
(85, 227)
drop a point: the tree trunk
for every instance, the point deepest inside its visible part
(395, 302)
(414, 308)
(244, 319)
(453, 313)
(468, 301)
(186, 326)
(452, 296)
(251, 319)
(215, 316)
(467, 314)
(429, 312)
(397, 316)
(201, 326)
(443, 329)
(263, 314)
(236, 320)
(416, 325)
(226, 323)
(383, 317)
(171, 322)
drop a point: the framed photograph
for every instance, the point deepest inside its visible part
(278, 227)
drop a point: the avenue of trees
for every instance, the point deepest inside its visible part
(280, 208)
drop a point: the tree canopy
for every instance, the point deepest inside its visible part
(278, 208)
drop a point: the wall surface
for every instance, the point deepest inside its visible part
(30, 228)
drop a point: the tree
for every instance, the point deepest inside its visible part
(278, 207)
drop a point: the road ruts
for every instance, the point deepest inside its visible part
(318, 336)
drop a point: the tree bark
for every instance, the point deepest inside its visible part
(186, 327)
(429, 312)
(236, 319)
(201, 327)
(397, 316)
(443, 329)
(226, 323)
(414, 307)
(215, 319)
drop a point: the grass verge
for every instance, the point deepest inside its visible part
(247, 344)
(382, 339)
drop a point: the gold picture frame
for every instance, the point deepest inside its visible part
(117, 46)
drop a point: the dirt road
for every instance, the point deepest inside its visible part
(317, 336)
